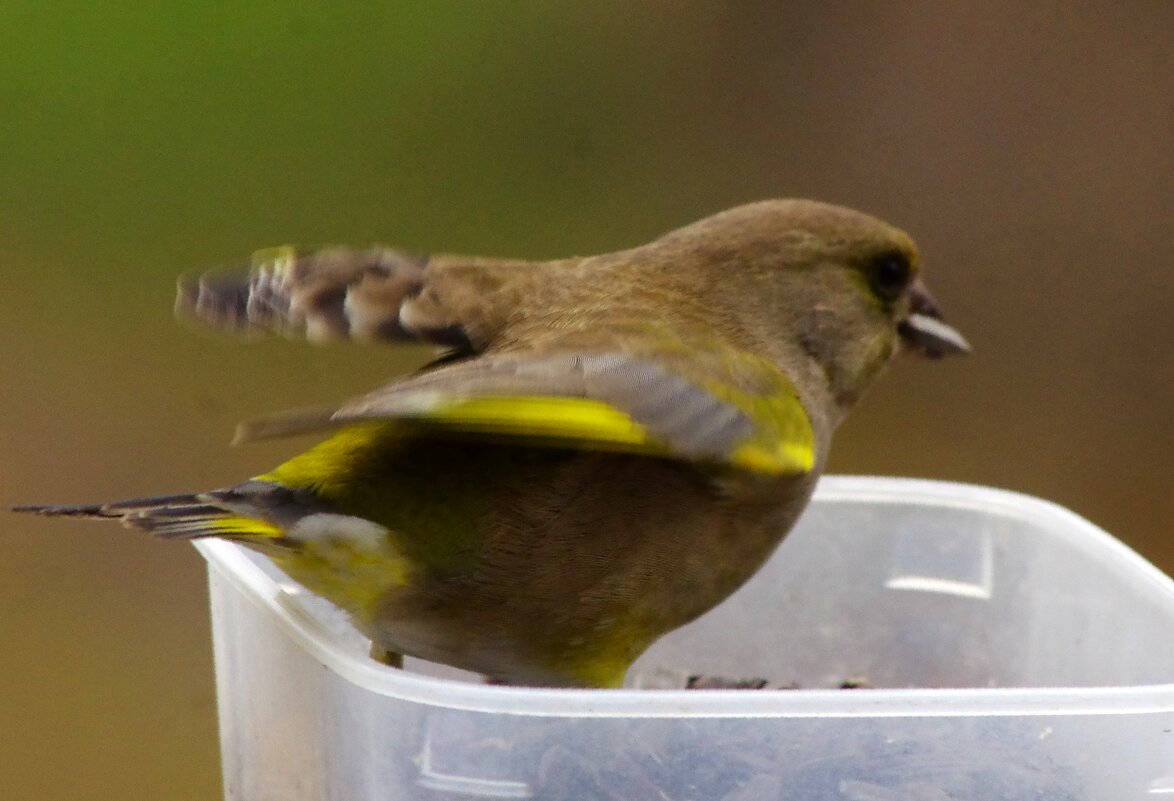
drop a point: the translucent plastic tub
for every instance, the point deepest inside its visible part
(1016, 651)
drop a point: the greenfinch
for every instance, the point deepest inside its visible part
(608, 447)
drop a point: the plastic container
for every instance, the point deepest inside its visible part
(1017, 652)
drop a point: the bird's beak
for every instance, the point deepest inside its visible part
(923, 329)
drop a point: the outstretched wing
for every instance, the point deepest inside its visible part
(375, 295)
(720, 406)
(332, 293)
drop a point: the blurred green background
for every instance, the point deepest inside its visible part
(1026, 146)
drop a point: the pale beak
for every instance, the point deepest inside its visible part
(923, 329)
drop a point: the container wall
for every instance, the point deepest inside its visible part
(907, 591)
(936, 586)
(293, 729)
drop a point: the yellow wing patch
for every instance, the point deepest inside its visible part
(782, 442)
(718, 407)
(276, 258)
(784, 445)
(786, 457)
(555, 418)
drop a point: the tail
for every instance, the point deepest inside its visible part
(246, 513)
(323, 295)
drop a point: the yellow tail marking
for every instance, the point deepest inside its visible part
(244, 527)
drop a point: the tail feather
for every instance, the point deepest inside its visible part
(189, 521)
(85, 511)
(114, 509)
(180, 517)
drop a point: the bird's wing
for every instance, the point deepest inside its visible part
(337, 293)
(716, 405)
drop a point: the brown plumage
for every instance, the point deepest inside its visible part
(612, 445)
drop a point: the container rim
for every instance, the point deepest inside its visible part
(231, 563)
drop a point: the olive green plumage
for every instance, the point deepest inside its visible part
(611, 446)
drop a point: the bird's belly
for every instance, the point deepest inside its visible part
(580, 562)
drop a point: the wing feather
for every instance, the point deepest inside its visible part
(737, 409)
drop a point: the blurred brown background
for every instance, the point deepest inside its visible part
(1027, 147)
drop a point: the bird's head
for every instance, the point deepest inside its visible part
(822, 283)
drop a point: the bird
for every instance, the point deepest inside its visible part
(604, 449)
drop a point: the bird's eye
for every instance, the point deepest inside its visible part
(888, 275)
